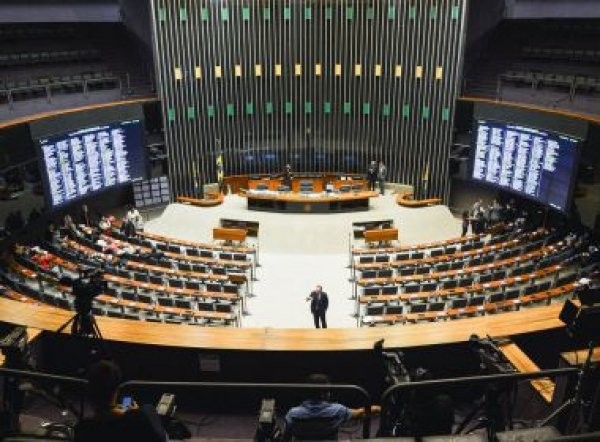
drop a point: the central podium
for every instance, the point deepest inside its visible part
(308, 194)
(299, 202)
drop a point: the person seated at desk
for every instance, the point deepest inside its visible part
(317, 418)
(111, 421)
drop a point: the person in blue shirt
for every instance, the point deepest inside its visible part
(317, 418)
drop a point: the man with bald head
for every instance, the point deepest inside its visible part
(319, 302)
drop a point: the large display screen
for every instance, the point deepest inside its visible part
(531, 162)
(89, 160)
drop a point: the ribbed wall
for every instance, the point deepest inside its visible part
(324, 86)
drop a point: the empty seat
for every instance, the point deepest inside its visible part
(176, 283)
(230, 288)
(223, 308)
(371, 291)
(211, 287)
(437, 307)
(183, 303)
(459, 303)
(496, 297)
(192, 285)
(146, 299)
(386, 273)
(374, 310)
(476, 301)
(436, 252)
(418, 308)
(165, 302)
(368, 274)
(156, 279)
(412, 288)
(510, 295)
(429, 287)
(390, 290)
(394, 310)
(206, 306)
(128, 296)
(407, 271)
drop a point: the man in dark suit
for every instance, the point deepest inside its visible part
(318, 306)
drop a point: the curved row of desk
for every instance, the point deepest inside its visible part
(49, 318)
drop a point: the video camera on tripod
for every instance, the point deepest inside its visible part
(88, 286)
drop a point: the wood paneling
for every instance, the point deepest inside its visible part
(339, 84)
(506, 324)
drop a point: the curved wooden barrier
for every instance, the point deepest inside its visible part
(407, 200)
(211, 200)
(73, 110)
(48, 318)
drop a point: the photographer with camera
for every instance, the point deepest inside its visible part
(114, 422)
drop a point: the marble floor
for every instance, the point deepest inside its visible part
(298, 251)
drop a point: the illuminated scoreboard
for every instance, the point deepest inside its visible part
(89, 160)
(532, 162)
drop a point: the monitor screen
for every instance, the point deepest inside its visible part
(532, 162)
(87, 161)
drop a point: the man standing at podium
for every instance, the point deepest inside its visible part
(319, 302)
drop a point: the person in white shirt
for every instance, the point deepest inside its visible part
(135, 218)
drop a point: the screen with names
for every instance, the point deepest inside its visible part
(89, 160)
(532, 162)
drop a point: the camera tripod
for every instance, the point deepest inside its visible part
(83, 325)
(579, 405)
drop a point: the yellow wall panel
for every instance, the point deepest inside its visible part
(198, 72)
(357, 70)
(338, 70)
(419, 71)
(178, 74)
(278, 70)
(298, 70)
(258, 70)
(318, 70)
(398, 71)
(378, 70)
(218, 71)
(237, 70)
(439, 73)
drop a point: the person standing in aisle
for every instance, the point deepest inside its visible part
(381, 176)
(319, 303)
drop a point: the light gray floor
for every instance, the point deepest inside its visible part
(298, 251)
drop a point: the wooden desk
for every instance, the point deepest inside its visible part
(407, 200)
(299, 203)
(228, 234)
(380, 235)
(237, 183)
(519, 359)
(211, 200)
(194, 244)
(269, 339)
